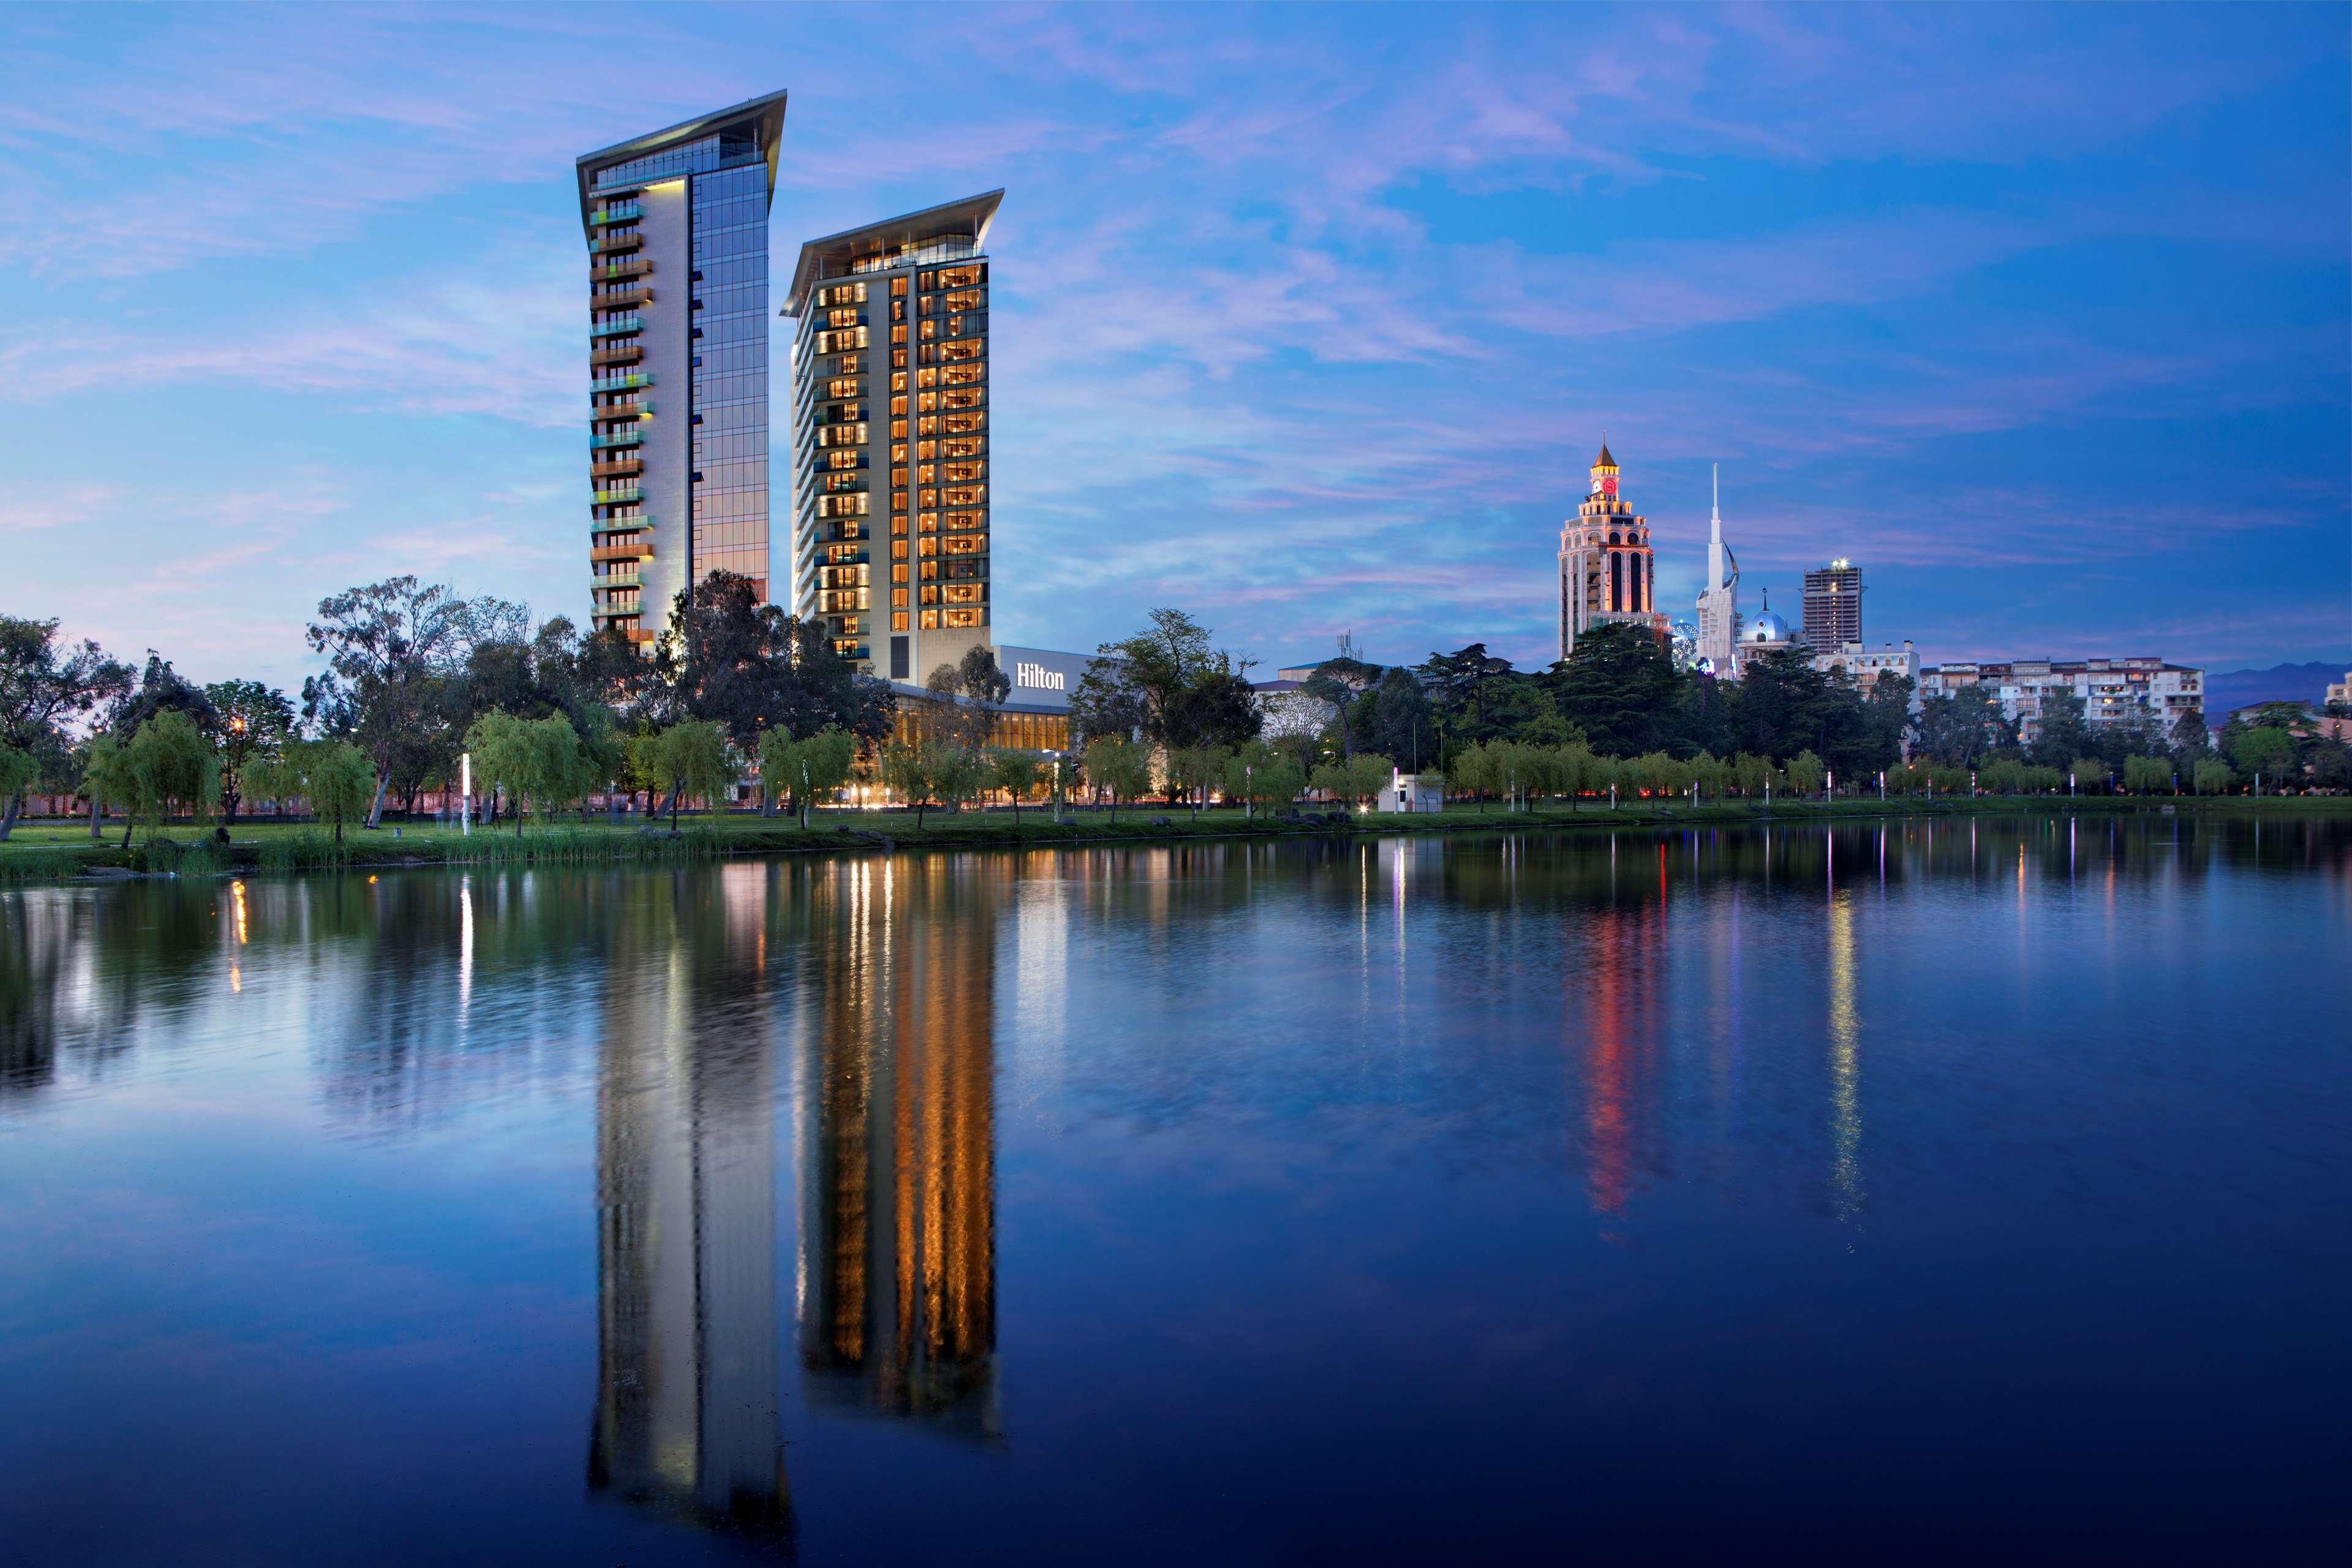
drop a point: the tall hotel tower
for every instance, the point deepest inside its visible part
(1606, 572)
(677, 334)
(890, 379)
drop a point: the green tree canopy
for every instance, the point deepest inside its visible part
(814, 765)
(1964, 726)
(1018, 774)
(1119, 767)
(256, 723)
(1169, 685)
(695, 758)
(1617, 687)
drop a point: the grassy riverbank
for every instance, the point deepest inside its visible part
(49, 851)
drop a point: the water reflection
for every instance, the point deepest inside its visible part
(686, 1417)
(1845, 1067)
(897, 1266)
(1225, 1087)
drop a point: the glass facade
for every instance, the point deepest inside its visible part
(676, 226)
(731, 374)
(891, 519)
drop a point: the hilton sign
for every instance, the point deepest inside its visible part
(1039, 677)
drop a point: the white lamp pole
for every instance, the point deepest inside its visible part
(465, 794)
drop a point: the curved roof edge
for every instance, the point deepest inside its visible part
(975, 212)
(768, 111)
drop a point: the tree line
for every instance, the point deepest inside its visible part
(415, 675)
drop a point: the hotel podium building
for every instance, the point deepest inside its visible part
(1606, 571)
(676, 224)
(890, 432)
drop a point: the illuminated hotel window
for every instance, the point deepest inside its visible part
(965, 617)
(931, 620)
(898, 622)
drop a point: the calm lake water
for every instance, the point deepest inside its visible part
(1505, 1199)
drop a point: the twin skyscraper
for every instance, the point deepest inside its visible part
(888, 543)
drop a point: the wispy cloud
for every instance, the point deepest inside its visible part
(1305, 318)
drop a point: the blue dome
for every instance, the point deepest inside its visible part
(1768, 627)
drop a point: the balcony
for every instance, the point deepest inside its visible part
(619, 299)
(620, 496)
(623, 382)
(613, 328)
(600, 554)
(638, 634)
(617, 211)
(628, 580)
(620, 354)
(613, 612)
(635, 266)
(633, 525)
(629, 410)
(629, 438)
(617, 468)
(613, 243)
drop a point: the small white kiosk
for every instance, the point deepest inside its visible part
(1412, 792)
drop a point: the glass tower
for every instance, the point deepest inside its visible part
(890, 515)
(676, 224)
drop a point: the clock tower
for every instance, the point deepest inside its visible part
(1606, 571)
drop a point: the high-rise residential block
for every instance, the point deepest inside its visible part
(889, 460)
(677, 354)
(1606, 570)
(1832, 607)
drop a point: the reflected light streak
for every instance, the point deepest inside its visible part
(1845, 1069)
(465, 948)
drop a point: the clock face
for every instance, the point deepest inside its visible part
(1609, 484)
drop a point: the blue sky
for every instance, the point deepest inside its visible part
(1306, 318)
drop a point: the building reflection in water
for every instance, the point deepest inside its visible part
(686, 1419)
(898, 1277)
(1845, 1065)
(1621, 1022)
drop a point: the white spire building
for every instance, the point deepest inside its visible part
(1719, 602)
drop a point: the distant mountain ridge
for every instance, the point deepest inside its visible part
(2226, 693)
